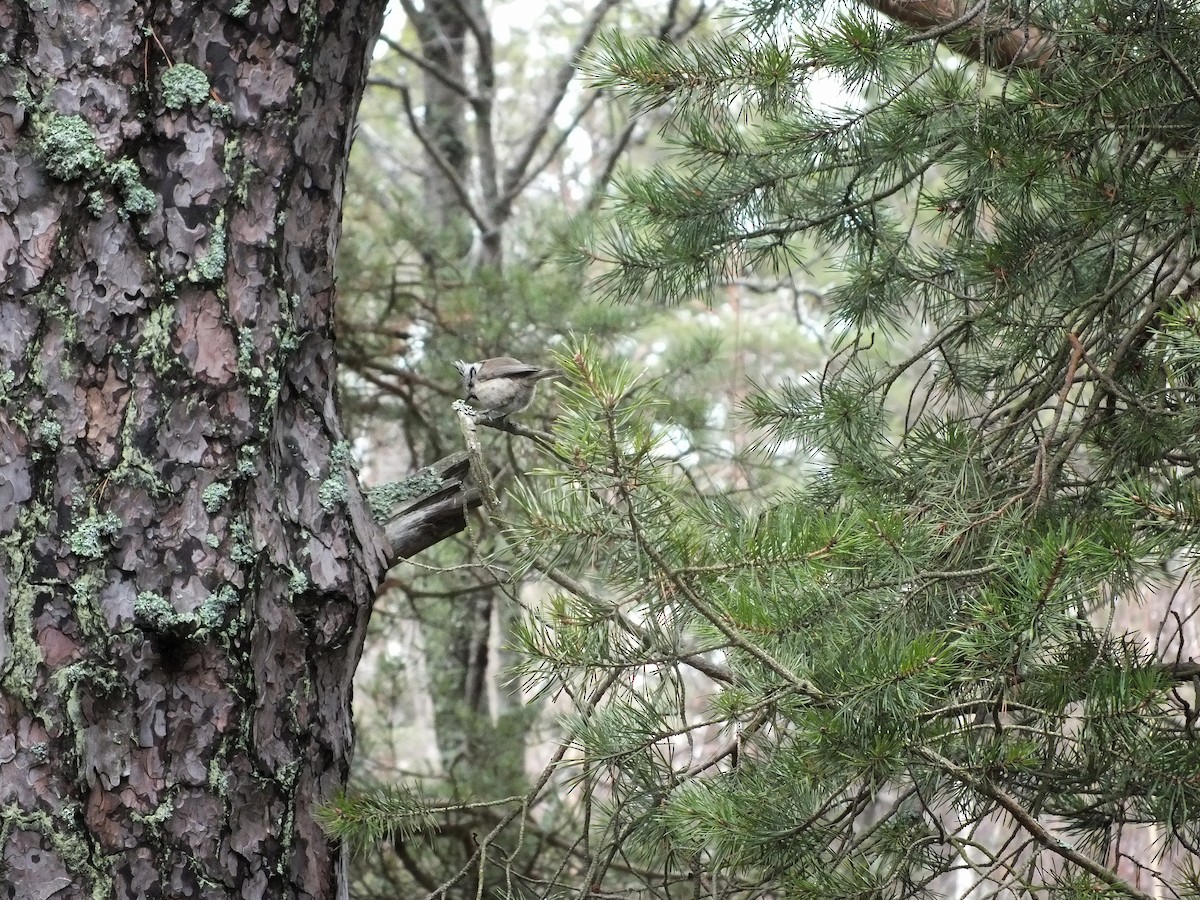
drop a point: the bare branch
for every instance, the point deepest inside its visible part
(515, 172)
(435, 71)
(456, 183)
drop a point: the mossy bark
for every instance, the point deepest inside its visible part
(182, 604)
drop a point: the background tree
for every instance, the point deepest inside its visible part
(924, 660)
(186, 564)
(476, 113)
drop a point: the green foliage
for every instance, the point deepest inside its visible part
(832, 691)
(371, 816)
(930, 635)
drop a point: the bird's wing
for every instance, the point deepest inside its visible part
(511, 370)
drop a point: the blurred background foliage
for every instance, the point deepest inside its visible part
(856, 558)
(482, 153)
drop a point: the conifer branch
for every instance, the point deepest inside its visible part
(1030, 823)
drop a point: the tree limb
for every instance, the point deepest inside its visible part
(515, 173)
(1026, 820)
(435, 516)
(1002, 39)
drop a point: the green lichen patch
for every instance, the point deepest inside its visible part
(154, 613)
(134, 466)
(210, 268)
(215, 495)
(298, 583)
(49, 432)
(184, 85)
(384, 498)
(218, 776)
(334, 490)
(155, 819)
(100, 680)
(248, 458)
(77, 855)
(68, 147)
(89, 539)
(215, 609)
(221, 112)
(156, 338)
(136, 198)
(242, 551)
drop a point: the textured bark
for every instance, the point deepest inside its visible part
(186, 565)
(990, 33)
(433, 517)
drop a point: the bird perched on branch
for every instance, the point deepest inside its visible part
(501, 386)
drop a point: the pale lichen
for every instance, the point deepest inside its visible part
(242, 551)
(88, 537)
(215, 495)
(221, 112)
(335, 490)
(69, 147)
(216, 607)
(184, 85)
(136, 198)
(384, 497)
(50, 433)
(298, 583)
(154, 613)
(218, 776)
(247, 466)
(211, 266)
(155, 819)
(156, 338)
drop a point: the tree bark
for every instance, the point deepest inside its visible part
(980, 31)
(186, 564)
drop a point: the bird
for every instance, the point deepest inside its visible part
(500, 386)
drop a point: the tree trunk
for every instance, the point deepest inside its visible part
(442, 26)
(186, 565)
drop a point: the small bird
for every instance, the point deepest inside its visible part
(500, 386)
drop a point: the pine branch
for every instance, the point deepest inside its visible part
(1030, 823)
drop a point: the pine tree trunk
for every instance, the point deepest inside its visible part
(186, 566)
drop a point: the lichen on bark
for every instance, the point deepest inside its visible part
(184, 85)
(68, 147)
(181, 611)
